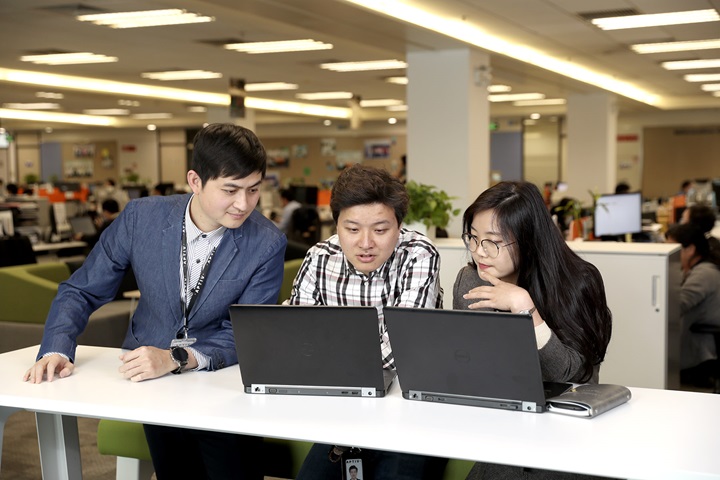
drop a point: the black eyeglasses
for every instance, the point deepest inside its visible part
(491, 248)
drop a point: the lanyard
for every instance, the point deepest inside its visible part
(193, 293)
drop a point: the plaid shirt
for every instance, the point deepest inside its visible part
(409, 278)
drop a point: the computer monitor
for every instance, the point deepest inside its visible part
(7, 227)
(618, 214)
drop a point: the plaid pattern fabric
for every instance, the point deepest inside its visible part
(409, 278)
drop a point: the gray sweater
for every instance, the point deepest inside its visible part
(699, 304)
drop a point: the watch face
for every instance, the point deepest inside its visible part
(180, 354)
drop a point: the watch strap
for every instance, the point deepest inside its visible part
(528, 312)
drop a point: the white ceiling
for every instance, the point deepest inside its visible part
(553, 26)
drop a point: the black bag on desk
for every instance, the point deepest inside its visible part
(589, 400)
(16, 250)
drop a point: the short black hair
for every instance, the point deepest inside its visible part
(227, 150)
(352, 467)
(363, 185)
(110, 205)
(703, 216)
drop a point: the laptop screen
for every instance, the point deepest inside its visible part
(83, 224)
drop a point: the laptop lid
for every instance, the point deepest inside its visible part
(82, 224)
(486, 359)
(310, 350)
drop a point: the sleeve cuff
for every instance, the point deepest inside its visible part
(202, 359)
(56, 353)
(542, 335)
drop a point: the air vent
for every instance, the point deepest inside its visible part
(220, 42)
(588, 16)
(73, 9)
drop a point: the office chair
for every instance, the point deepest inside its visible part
(715, 369)
(16, 250)
(304, 225)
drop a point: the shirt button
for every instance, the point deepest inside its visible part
(204, 235)
(197, 261)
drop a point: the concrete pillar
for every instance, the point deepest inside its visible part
(591, 145)
(448, 130)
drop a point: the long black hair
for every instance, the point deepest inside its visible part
(568, 291)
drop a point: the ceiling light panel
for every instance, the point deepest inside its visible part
(499, 88)
(380, 102)
(57, 117)
(68, 58)
(270, 86)
(51, 95)
(675, 46)
(710, 87)
(325, 96)
(279, 46)
(147, 18)
(106, 111)
(173, 75)
(151, 116)
(541, 102)
(397, 80)
(513, 97)
(657, 19)
(364, 66)
(691, 64)
(32, 106)
(702, 77)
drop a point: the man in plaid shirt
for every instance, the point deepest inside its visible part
(371, 261)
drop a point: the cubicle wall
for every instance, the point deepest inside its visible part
(642, 282)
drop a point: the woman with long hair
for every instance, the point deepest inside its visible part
(521, 264)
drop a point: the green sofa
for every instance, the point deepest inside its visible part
(26, 292)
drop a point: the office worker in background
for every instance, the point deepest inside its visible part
(289, 205)
(110, 210)
(699, 303)
(521, 264)
(371, 261)
(703, 217)
(193, 255)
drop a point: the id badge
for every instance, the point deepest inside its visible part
(183, 342)
(352, 462)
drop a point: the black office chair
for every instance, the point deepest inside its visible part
(304, 225)
(16, 250)
(715, 367)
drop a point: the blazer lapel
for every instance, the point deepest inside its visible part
(171, 239)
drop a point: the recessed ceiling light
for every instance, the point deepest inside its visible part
(51, 95)
(656, 19)
(702, 77)
(675, 46)
(513, 97)
(392, 120)
(68, 58)
(151, 116)
(711, 87)
(535, 116)
(327, 123)
(147, 18)
(106, 111)
(32, 106)
(152, 127)
(197, 109)
(325, 96)
(364, 66)
(691, 64)
(541, 102)
(181, 75)
(270, 86)
(397, 80)
(129, 103)
(396, 108)
(380, 102)
(499, 88)
(279, 46)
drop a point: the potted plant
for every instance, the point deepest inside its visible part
(429, 206)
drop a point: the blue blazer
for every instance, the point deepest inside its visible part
(247, 268)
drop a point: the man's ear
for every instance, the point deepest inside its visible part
(194, 181)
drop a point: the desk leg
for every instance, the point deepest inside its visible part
(5, 412)
(59, 446)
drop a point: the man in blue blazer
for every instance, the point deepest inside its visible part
(192, 255)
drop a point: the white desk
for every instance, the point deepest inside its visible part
(660, 434)
(54, 247)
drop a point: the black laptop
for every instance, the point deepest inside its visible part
(310, 350)
(485, 359)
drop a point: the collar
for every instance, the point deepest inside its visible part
(192, 230)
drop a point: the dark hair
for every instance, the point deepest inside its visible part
(702, 216)
(685, 184)
(568, 291)
(362, 185)
(110, 182)
(622, 187)
(690, 234)
(227, 150)
(286, 194)
(12, 188)
(110, 205)
(352, 467)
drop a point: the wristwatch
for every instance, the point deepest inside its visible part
(527, 312)
(180, 356)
